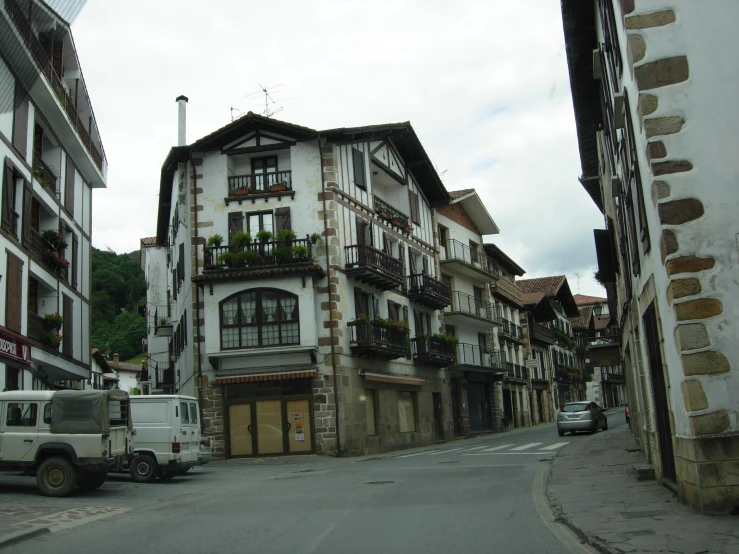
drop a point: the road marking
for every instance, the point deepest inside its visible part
(526, 446)
(445, 451)
(509, 454)
(555, 446)
(476, 448)
(494, 448)
(417, 454)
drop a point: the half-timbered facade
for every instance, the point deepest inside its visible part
(52, 158)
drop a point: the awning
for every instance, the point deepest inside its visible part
(394, 379)
(265, 376)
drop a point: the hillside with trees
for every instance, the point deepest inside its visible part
(118, 290)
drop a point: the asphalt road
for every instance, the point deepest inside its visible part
(478, 495)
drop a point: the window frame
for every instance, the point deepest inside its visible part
(413, 395)
(23, 409)
(260, 323)
(359, 168)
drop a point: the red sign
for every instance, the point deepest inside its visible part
(14, 348)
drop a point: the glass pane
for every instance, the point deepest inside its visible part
(270, 335)
(267, 222)
(193, 413)
(299, 432)
(290, 333)
(248, 307)
(21, 415)
(229, 312)
(250, 336)
(230, 337)
(253, 226)
(184, 414)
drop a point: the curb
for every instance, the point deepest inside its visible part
(19, 536)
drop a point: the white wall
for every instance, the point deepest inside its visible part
(7, 95)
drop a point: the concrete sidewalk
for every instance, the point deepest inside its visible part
(593, 490)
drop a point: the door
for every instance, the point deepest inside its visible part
(264, 170)
(240, 429)
(19, 435)
(540, 406)
(659, 390)
(299, 437)
(438, 416)
(456, 411)
(479, 404)
(270, 427)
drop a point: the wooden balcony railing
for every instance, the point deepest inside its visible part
(428, 291)
(454, 250)
(47, 70)
(388, 213)
(373, 340)
(432, 351)
(467, 304)
(43, 250)
(542, 333)
(258, 183)
(272, 253)
(165, 375)
(43, 173)
(374, 267)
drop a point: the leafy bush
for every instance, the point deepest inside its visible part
(241, 239)
(300, 251)
(286, 235)
(215, 240)
(264, 235)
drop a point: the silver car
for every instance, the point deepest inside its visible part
(581, 416)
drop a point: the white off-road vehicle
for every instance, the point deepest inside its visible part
(66, 438)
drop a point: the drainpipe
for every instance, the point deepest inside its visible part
(330, 311)
(197, 289)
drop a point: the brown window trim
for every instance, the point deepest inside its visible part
(260, 322)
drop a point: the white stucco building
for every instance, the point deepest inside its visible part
(654, 91)
(52, 160)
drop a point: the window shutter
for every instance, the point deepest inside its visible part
(417, 322)
(181, 262)
(358, 302)
(69, 186)
(184, 327)
(75, 254)
(360, 230)
(358, 164)
(428, 323)
(385, 244)
(412, 260)
(68, 330)
(235, 224)
(20, 122)
(375, 306)
(282, 219)
(27, 212)
(414, 206)
(13, 293)
(425, 264)
(8, 204)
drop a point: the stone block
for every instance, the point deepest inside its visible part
(657, 126)
(648, 103)
(730, 473)
(637, 46)
(694, 397)
(643, 472)
(680, 288)
(656, 149)
(671, 166)
(648, 20)
(709, 424)
(705, 363)
(689, 264)
(660, 190)
(681, 211)
(692, 336)
(627, 6)
(668, 244)
(701, 308)
(709, 474)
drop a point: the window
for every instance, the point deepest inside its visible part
(259, 317)
(611, 45)
(364, 304)
(13, 293)
(415, 211)
(360, 173)
(12, 379)
(407, 411)
(47, 413)
(184, 413)
(9, 200)
(422, 320)
(370, 405)
(393, 311)
(68, 330)
(21, 414)
(193, 413)
(69, 186)
(265, 171)
(261, 221)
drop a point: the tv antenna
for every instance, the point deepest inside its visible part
(268, 91)
(232, 112)
(577, 276)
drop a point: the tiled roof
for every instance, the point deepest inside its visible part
(581, 299)
(582, 321)
(149, 241)
(460, 193)
(602, 322)
(534, 290)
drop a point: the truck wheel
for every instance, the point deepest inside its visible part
(56, 477)
(91, 480)
(143, 468)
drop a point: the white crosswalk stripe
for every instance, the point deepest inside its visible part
(417, 454)
(526, 446)
(554, 446)
(476, 448)
(444, 451)
(501, 447)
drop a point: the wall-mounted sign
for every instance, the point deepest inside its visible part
(14, 348)
(299, 434)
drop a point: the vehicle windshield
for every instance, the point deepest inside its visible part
(576, 407)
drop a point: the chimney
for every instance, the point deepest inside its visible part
(116, 358)
(181, 119)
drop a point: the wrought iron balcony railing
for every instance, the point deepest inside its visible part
(271, 253)
(432, 351)
(372, 339)
(428, 291)
(370, 265)
(467, 304)
(257, 183)
(454, 250)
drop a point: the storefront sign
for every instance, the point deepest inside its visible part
(532, 364)
(13, 348)
(299, 434)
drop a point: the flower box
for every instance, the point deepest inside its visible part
(278, 187)
(242, 191)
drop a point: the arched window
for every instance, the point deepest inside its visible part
(259, 317)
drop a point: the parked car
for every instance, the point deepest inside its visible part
(581, 416)
(167, 436)
(66, 438)
(206, 454)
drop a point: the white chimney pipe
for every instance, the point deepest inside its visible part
(181, 119)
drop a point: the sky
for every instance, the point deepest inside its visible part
(484, 84)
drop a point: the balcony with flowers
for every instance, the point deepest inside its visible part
(379, 338)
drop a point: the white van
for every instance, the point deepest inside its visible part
(167, 436)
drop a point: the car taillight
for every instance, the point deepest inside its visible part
(205, 441)
(561, 408)
(587, 408)
(175, 448)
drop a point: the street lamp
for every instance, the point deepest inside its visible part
(597, 310)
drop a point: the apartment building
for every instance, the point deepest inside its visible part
(52, 160)
(654, 89)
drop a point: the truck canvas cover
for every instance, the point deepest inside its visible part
(89, 411)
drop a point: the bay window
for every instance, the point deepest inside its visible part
(258, 318)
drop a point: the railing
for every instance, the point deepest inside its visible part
(44, 251)
(388, 213)
(367, 256)
(614, 378)
(258, 254)
(540, 332)
(430, 348)
(468, 304)
(421, 282)
(47, 70)
(472, 354)
(43, 173)
(455, 250)
(511, 329)
(373, 334)
(37, 325)
(255, 183)
(165, 375)
(515, 371)
(507, 289)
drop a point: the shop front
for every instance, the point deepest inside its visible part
(15, 360)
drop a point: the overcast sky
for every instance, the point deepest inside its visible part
(484, 85)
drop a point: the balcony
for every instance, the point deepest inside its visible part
(39, 329)
(374, 267)
(259, 185)
(258, 260)
(162, 325)
(472, 356)
(46, 68)
(465, 308)
(511, 331)
(48, 255)
(515, 371)
(542, 333)
(391, 215)
(165, 376)
(539, 384)
(461, 259)
(567, 375)
(44, 174)
(428, 291)
(370, 339)
(507, 290)
(432, 351)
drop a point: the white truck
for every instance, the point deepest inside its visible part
(66, 438)
(167, 431)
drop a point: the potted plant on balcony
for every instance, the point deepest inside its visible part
(55, 260)
(214, 241)
(361, 319)
(55, 320)
(51, 338)
(299, 252)
(443, 338)
(241, 240)
(286, 237)
(314, 238)
(252, 257)
(381, 212)
(282, 253)
(400, 326)
(264, 236)
(278, 187)
(55, 239)
(240, 191)
(224, 259)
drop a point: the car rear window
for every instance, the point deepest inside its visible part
(184, 414)
(580, 407)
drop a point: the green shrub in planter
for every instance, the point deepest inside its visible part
(215, 240)
(252, 257)
(282, 253)
(286, 235)
(241, 239)
(264, 236)
(300, 252)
